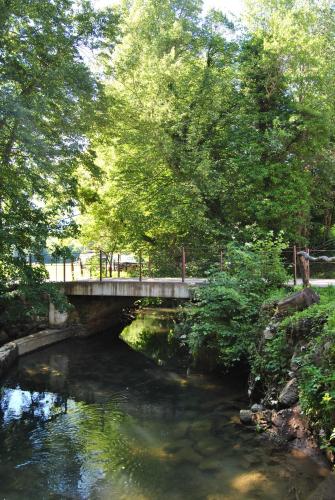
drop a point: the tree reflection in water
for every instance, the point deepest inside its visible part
(17, 404)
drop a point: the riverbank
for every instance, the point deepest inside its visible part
(12, 350)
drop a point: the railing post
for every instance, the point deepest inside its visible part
(100, 264)
(183, 265)
(64, 269)
(118, 265)
(111, 266)
(72, 267)
(140, 265)
(304, 265)
(308, 270)
(295, 265)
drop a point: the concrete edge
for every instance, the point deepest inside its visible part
(12, 350)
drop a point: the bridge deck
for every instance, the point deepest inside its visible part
(172, 288)
(150, 287)
(316, 282)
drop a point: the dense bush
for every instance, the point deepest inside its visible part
(222, 317)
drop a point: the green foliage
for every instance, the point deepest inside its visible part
(49, 101)
(270, 363)
(149, 302)
(317, 375)
(208, 130)
(223, 315)
(29, 298)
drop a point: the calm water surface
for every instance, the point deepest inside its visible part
(95, 419)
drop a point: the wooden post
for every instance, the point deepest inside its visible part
(100, 265)
(64, 269)
(295, 265)
(140, 265)
(118, 265)
(183, 265)
(111, 266)
(308, 270)
(304, 270)
(221, 261)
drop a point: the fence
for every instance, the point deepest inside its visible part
(178, 263)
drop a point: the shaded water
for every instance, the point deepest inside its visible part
(94, 419)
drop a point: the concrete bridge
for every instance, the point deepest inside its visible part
(165, 288)
(98, 304)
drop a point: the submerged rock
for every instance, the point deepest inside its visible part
(246, 417)
(181, 429)
(208, 446)
(325, 490)
(210, 464)
(178, 445)
(256, 407)
(188, 455)
(289, 394)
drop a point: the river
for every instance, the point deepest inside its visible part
(96, 419)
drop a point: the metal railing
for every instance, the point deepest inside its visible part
(179, 263)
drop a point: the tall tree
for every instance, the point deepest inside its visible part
(172, 88)
(288, 75)
(211, 130)
(48, 98)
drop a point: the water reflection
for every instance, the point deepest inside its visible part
(152, 334)
(17, 404)
(95, 420)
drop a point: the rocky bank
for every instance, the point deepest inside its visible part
(275, 409)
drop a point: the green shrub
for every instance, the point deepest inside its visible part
(223, 316)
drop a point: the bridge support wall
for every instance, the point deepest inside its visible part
(90, 315)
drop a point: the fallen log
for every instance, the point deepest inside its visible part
(298, 301)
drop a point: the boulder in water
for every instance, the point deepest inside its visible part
(246, 417)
